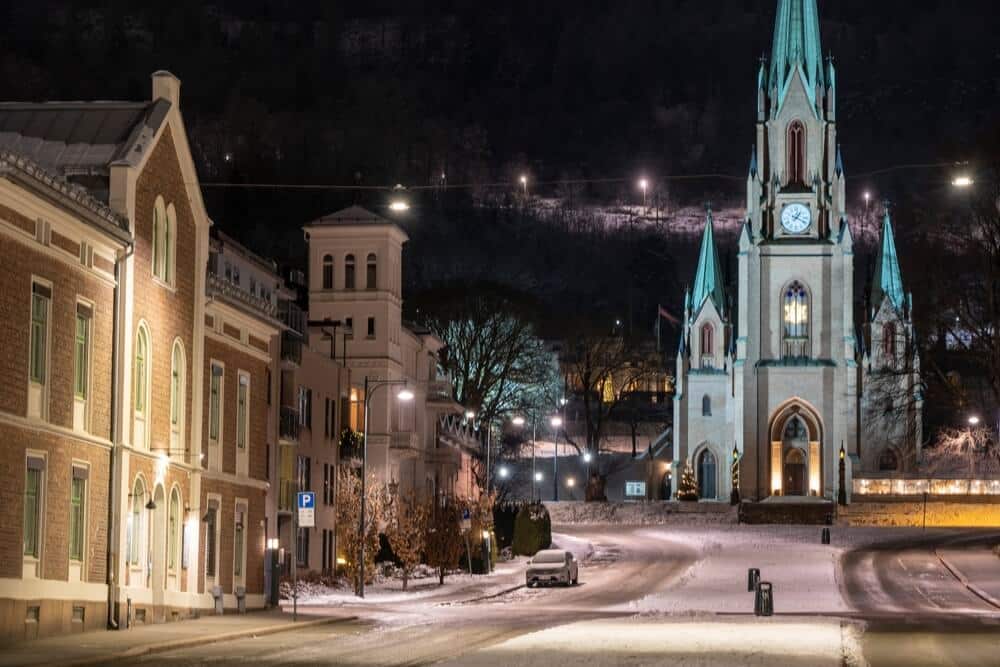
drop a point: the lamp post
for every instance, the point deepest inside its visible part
(644, 186)
(556, 423)
(734, 498)
(842, 491)
(403, 395)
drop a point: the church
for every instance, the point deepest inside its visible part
(780, 379)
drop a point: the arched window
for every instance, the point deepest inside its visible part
(706, 406)
(706, 346)
(795, 316)
(327, 271)
(177, 396)
(159, 236)
(169, 245)
(141, 385)
(371, 272)
(135, 521)
(888, 461)
(349, 272)
(889, 343)
(707, 475)
(173, 530)
(796, 153)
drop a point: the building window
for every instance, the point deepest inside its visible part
(303, 473)
(141, 372)
(305, 407)
(164, 241)
(173, 529)
(41, 298)
(135, 526)
(889, 343)
(239, 542)
(327, 271)
(888, 461)
(796, 321)
(81, 352)
(796, 153)
(77, 513)
(302, 548)
(242, 411)
(176, 394)
(707, 349)
(349, 272)
(371, 327)
(215, 402)
(706, 406)
(33, 493)
(211, 524)
(349, 327)
(371, 272)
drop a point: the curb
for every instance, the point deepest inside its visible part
(175, 644)
(975, 590)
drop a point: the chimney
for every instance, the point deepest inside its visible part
(166, 86)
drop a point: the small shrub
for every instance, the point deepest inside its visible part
(532, 530)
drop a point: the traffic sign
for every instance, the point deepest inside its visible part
(466, 520)
(307, 509)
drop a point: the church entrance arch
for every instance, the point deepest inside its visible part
(796, 450)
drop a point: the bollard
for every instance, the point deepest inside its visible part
(826, 536)
(753, 578)
(763, 604)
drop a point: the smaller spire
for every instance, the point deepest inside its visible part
(708, 283)
(840, 162)
(753, 161)
(888, 280)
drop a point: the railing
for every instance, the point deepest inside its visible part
(439, 390)
(288, 423)
(292, 316)
(286, 495)
(291, 348)
(220, 285)
(351, 450)
(795, 348)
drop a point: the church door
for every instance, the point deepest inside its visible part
(707, 475)
(795, 473)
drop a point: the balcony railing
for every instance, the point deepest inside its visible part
(795, 348)
(439, 390)
(292, 316)
(288, 424)
(291, 348)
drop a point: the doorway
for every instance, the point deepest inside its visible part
(795, 473)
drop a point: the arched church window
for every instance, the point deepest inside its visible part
(707, 350)
(888, 461)
(796, 321)
(889, 343)
(706, 406)
(707, 475)
(796, 153)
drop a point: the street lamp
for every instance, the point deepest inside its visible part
(524, 184)
(973, 420)
(587, 457)
(643, 185)
(517, 421)
(556, 422)
(503, 472)
(538, 476)
(963, 182)
(571, 482)
(371, 387)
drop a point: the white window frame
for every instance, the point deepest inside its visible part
(240, 505)
(178, 537)
(163, 264)
(178, 402)
(215, 444)
(81, 404)
(212, 580)
(77, 567)
(31, 567)
(38, 391)
(142, 417)
(137, 544)
(243, 451)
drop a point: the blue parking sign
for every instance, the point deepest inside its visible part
(307, 499)
(307, 509)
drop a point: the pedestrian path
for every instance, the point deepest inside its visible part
(98, 648)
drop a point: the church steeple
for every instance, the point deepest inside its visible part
(888, 280)
(708, 282)
(796, 48)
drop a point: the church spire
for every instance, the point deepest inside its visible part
(796, 46)
(888, 278)
(708, 278)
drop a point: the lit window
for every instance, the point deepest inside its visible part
(796, 321)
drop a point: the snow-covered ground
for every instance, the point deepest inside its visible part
(635, 642)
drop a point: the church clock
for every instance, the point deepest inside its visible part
(796, 218)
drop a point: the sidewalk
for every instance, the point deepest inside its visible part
(978, 569)
(94, 648)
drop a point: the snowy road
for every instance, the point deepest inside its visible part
(669, 595)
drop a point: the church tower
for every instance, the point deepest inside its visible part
(795, 391)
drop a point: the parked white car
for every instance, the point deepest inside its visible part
(552, 566)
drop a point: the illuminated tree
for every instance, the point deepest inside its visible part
(348, 517)
(444, 537)
(406, 530)
(688, 488)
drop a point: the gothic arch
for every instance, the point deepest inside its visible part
(795, 145)
(697, 457)
(783, 474)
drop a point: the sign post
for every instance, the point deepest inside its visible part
(305, 517)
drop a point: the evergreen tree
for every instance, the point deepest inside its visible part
(688, 489)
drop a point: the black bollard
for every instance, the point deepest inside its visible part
(763, 604)
(826, 536)
(753, 578)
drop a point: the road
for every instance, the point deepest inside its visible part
(917, 613)
(627, 567)
(885, 605)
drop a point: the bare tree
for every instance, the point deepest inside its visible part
(406, 530)
(964, 451)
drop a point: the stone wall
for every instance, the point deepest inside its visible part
(963, 512)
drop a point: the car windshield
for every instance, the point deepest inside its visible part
(549, 557)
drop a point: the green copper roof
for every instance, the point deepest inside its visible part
(888, 278)
(708, 278)
(796, 45)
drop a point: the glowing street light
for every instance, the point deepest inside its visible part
(588, 457)
(470, 415)
(504, 472)
(517, 421)
(399, 205)
(538, 476)
(571, 482)
(973, 420)
(643, 185)
(524, 184)
(963, 182)
(556, 422)
(405, 395)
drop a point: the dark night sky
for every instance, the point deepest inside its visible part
(394, 91)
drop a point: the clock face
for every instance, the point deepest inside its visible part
(796, 218)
